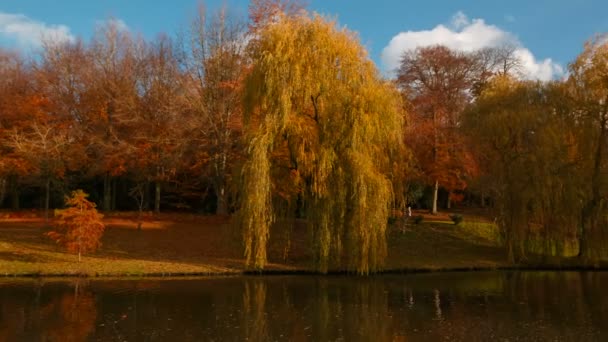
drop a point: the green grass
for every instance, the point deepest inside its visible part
(485, 231)
(440, 244)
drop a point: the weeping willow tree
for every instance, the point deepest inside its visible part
(523, 129)
(324, 132)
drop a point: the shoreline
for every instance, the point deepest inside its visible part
(304, 272)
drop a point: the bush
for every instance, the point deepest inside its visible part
(456, 218)
(418, 219)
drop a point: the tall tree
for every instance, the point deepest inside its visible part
(115, 65)
(157, 137)
(523, 135)
(213, 58)
(439, 83)
(16, 102)
(314, 96)
(44, 145)
(588, 85)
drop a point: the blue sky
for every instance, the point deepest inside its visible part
(547, 33)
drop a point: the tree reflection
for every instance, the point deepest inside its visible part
(493, 306)
(255, 319)
(69, 316)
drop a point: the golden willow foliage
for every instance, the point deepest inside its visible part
(588, 89)
(523, 130)
(316, 106)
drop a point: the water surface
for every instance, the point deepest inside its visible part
(487, 306)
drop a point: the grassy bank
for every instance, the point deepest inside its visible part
(171, 244)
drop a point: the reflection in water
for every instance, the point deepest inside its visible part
(254, 312)
(66, 315)
(567, 306)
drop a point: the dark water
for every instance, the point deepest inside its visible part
(497, 306)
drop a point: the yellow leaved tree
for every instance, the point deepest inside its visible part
(318, 114)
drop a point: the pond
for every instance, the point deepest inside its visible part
(468, 306)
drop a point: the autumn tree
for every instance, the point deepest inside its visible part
(214, 63)
(65, 74)
(115, 64)
(44, 146)
(157, 139)
(524, 136)
(316, 106)
(34, 136)
(79, 227)
(438, 82)
(54, 139)
(20, 103)
(588, 88)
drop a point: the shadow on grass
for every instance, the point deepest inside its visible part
(204, 241)
(21, 257)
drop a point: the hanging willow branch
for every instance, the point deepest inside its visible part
(316, 106)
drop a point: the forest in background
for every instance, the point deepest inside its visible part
(283, 115)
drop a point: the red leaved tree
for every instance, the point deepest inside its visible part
(78, 227)
(439, 83)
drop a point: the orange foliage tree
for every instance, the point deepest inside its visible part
(20, 104)
(79, 226)
(439, 84)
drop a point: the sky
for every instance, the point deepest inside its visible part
(547, 34)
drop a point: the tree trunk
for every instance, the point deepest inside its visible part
(140, 211)
(157, 198)
(107, 192)
(587, 224)
(590, 210)
(448, 204)
(80, 238)
(483, 198)
(15, 199)
(139, 215)
(221, 207)
(2, 190)
(47, 199)
(147, 196)
(113, 204)
(435, 193)
(222, 203)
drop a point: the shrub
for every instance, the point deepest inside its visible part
(418, 219)
(456, 218)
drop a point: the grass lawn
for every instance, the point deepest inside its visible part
(172, 244)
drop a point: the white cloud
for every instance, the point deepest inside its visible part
(469, 35)
(460, 20)
(544, 70)
(29, 32)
